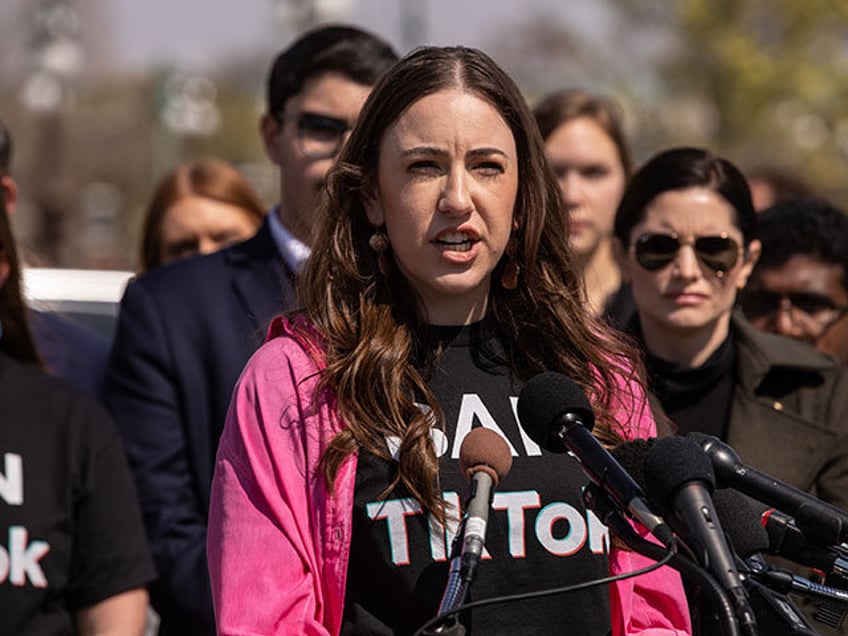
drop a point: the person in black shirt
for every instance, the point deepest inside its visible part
(69, 350)
(441, 281)
(73, 556)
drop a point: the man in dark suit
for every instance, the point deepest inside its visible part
(69, 351)
(185, 330)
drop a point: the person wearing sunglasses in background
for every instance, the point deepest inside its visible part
(185, 330)
(687, 242)
(799, 287)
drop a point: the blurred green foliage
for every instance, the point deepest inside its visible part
(766, 81)
(762, 82)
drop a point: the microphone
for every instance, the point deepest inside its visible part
(631, 455)
(786, 539)
(814, 517)
(753, 527)
(485, 459)
(556, 414)
(680, 477)
(740, 516)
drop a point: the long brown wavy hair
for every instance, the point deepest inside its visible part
(373, 324)
(16, 340)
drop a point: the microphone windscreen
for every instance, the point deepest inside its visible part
(672, 463)
(632, 455)
(740, 520)
(724, 458)
(484, 449)
(698, 437)
(543, 400)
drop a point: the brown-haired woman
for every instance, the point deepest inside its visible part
(441, 282)
(588, 151)
(77, 559)
(198, 208)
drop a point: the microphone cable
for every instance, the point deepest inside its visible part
(668, 556)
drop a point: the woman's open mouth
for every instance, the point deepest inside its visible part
(456, 241)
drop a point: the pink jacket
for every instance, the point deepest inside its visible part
(278, 541)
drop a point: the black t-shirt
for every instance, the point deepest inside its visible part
(539, 534)
(70, 528)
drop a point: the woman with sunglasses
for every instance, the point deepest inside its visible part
(687, 242)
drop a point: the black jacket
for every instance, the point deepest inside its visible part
(184, 333)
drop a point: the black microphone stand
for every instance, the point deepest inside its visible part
(785, 581)
(454, 594)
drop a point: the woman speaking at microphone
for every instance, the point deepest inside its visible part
(441, 281)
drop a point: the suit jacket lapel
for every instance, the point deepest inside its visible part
(261, 280)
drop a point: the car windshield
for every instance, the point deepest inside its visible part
(88, 297)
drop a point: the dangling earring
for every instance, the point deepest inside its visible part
(509, 275)
(379, 242)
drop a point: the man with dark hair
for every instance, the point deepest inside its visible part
(69, 351)
(799, 287)
(315, 90)
(185, 330)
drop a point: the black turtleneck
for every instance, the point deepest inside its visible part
(696, 399)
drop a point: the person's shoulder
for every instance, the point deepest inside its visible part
(43, 390)
(201, 275)
(55, 324)
(778, 366)
(293, 347)
(781, 352)
(17, 376)
(180, 273)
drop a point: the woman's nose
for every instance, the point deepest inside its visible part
(686, 263)
(572, 188)
(456, 198)
(785, 321)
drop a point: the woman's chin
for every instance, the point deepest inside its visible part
(686, 318)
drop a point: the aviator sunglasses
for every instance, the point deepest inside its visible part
(718, 253)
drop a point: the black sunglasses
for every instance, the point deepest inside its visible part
(319, 136)
(718, 253)
(321, 125)
(757, 303)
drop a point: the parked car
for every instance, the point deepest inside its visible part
(89, 297)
